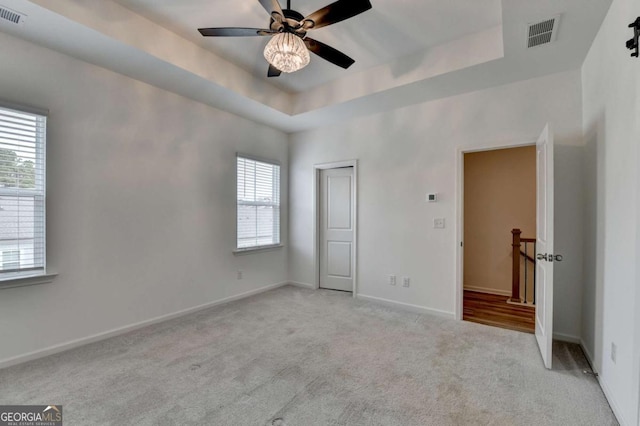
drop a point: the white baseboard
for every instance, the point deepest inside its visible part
(566, 338)
(612, 403)
(605, 388)
(302, 285)
(588, 355)
(488, 290)
(8, 362)
(406, 306)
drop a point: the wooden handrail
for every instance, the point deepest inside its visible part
(528, 240)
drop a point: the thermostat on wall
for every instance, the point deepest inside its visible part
(432, 198)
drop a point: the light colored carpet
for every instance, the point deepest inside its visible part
(300, 357)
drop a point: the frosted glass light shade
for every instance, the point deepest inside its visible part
(287, 52)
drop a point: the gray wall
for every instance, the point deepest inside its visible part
(141, 201)
(408, 152)
(611, 302)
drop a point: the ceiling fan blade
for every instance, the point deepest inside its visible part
(336, 12)
(273, 71)
(328, 53)
(272, 6)
(235, 32)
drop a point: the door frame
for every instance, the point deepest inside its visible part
(317, 168)
(459, 288)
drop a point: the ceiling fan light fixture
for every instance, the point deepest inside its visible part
(287, 52)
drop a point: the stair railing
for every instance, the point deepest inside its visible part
(518, 254)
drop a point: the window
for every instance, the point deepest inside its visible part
(22, 193)
(258, 204)
(10, 260)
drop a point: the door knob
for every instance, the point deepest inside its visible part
(550, 257)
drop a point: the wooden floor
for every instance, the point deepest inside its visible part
(490, 309)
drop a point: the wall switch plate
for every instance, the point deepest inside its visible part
(239, 275)
(438, 223)
(392, 280)
(406, 282)
(614, 352)
(432, 198)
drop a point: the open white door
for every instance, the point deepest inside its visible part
(544, 246)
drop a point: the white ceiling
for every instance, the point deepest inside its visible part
(432, 49)
(391, 30)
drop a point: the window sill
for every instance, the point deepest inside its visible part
(250, 250)
(27, 281)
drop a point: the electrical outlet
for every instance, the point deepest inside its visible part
(614, 352)
(392, 280)
(438, 223)
(239, 275)
(406, 282)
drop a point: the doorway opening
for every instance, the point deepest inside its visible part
(499, 251)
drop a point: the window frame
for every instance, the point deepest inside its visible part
(266, 247)
(38, 275)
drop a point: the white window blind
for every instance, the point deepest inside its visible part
(258, 203)
(22, 193)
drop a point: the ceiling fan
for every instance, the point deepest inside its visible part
(289, 47)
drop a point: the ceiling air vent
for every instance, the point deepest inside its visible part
(543, 32)
(8, 15)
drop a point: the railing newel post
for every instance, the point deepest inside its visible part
(515, 282)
